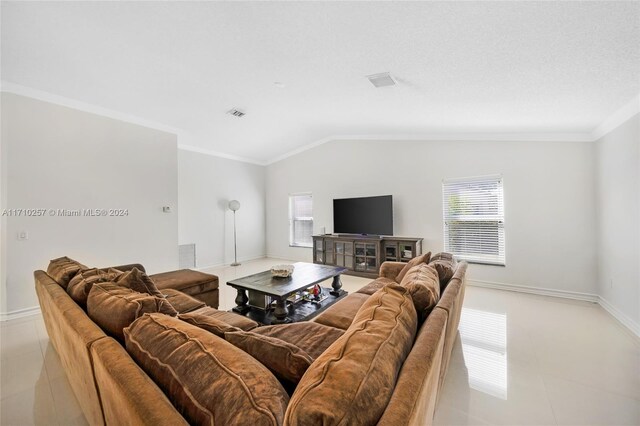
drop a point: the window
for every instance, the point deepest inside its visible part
(473, 210)
(300, 220)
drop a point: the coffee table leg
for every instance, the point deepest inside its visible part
(241, 301)
(336, 285)
(280, 312)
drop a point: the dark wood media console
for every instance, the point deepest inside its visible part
(363, 255)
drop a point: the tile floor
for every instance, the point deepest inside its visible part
(519, 360)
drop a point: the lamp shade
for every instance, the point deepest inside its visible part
(234, 205)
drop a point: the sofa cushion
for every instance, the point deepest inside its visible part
(138, 281)
(312, 337)
(114, 307)
(353, 380)
(340, 314)
(209, 380)
(209, 323)
(445, 264)
(186, 280)
(375, 285)
(181, 302)
(424, 287)
(230, 318)
(63, 269)
(285, 360)
(423, 258)
(80, 285)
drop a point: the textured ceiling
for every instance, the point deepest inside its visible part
(460, 66)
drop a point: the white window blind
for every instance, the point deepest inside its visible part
(300, 220)
(473, 211)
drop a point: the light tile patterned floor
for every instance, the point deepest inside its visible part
(519, 359)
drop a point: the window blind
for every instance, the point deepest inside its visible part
(473, 211)
(300, 220)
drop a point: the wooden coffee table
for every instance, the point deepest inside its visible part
(304, 275)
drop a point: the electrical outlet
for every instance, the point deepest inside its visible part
(611, 283)
(23, 235)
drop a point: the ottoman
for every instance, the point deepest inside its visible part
(197, 284)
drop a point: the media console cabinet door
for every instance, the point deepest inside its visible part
(318, 250)
(344, 253)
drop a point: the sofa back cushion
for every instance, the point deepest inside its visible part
(423, 258)
(424, 287)
(139, 281)
(82, 282)
(353, 380)
(209, 380)
(63, 269)
(285, 360)
(114, 307)
(445, 264)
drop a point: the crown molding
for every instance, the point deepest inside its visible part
(618, 117)
(41, 95)
(8, 87)
(192, 148)
(467, 136)
(610, 123)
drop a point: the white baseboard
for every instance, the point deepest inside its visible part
(289, 258)
(622, 318)
(19, 313)
(575, 295)
(218, 265)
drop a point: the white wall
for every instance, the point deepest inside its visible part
(205, 186)
(61, 158)
(549, 199)
(618, 207)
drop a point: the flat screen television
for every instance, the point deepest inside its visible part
(365, 215)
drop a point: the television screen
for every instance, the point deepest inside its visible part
(366, 215)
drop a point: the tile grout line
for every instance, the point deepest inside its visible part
(44, 363)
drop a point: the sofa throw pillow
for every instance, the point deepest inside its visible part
(81, 284)
(423, 258)
(207, 379)
(353, 380)
(285, 360)
(424, 288)
(63, 269)
(138, 281)
(206, 322)
(114, 307)
(446, 265)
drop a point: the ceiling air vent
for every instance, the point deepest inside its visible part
(383, 79)
(235, 112)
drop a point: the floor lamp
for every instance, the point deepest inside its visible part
(234, 206)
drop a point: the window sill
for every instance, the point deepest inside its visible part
(300, 246)
(479, 262)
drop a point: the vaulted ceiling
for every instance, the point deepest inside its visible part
(462, 67)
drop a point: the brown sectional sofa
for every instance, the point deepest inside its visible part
(113, 389)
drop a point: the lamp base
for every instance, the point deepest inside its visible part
(236, 264)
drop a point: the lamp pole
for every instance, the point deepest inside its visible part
(234, 205)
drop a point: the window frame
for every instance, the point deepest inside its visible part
(292, 220)
(498, 260)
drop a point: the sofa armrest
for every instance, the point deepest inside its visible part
(128, 267)
(391, 269)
